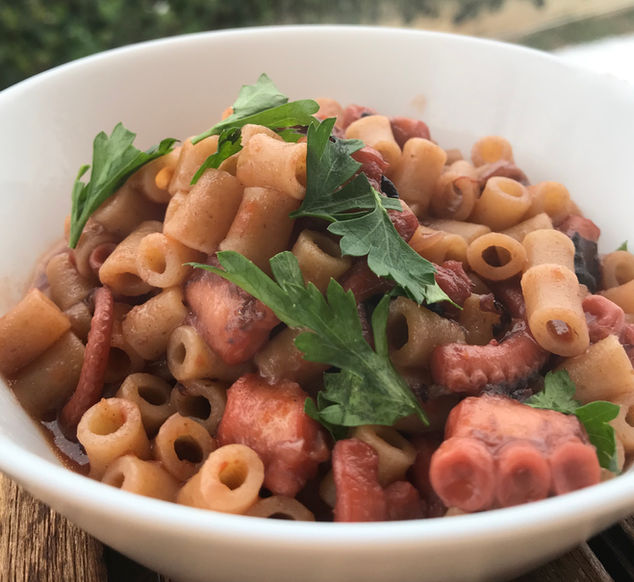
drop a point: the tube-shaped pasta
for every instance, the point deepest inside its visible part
(28, 330)
(603, 372)
(80, 318)
(271, 163)
(552, 198)
(417, 172)
(622, 295)
(376, 131)
(624, 423)
(123, 358)
(549, 246)
(502, 204)
(129, 473)
(203, 217)
(280, 359)
(280, 507)
(190, 158)
(329, 108)
(319, 258)
(477, 322)
(229, 481)
(147, 327)
(413, 331)
(119, 270)
(57, 370)
(152, 395)
(161, 260)
(467, 230)
(203, 400)
(182, 445)
(617, 268)
(455, 195)
(189, 358)
(496, 256)
(122, 213)
(261, 227)
(521, 229)
(110, 429)
(66, 286)
(93, 237)
(396, 453)
(553, 309)
(154, 177)
(438, 246)
(491, 148)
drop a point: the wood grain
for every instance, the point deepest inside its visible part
(39, 545)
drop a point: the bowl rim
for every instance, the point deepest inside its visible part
(27, 467)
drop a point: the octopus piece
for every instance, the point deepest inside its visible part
(468, 369)
(405, 128)
(453, 280)
(498, 452)
(373, 165)
(584, 227)
(91, 378)
(233, 323)
(360, 497)
(584, 234)
(270, 419)
(603, 317)
(404, 222)
(509, 293)
(353, 112)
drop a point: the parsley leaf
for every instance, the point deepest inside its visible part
(358, 214)
(367, 389)
(595, 417)
(229, 143)
(623, 246)
(260, 104)
(558, 394)
(114, 160)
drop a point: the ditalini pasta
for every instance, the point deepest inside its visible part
(250, 321)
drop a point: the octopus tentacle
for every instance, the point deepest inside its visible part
(469, 369)
(498, 452)
(93, 370)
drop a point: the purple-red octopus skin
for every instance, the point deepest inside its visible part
(90, 386)
(498, 452)
(467, 369)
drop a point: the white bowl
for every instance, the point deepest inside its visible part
(565, 125)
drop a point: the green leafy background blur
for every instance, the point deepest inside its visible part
(38, 34)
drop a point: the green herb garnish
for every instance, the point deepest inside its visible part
(358, 214)
(623, 246)
(260, 104)
(114, 160)
(367, 389)
(558, 394)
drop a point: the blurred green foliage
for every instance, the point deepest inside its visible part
(38, 34)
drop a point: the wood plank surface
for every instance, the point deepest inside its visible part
(39, 545)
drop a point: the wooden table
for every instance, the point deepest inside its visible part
(39, 545)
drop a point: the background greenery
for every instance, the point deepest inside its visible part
(38, 34)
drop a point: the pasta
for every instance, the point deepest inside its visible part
(277, 327)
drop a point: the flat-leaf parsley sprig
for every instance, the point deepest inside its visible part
(259, 104)
(114, 160)
(358, 214)
(558, 394)
(367, 389)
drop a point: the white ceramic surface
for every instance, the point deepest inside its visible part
(565, 124)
